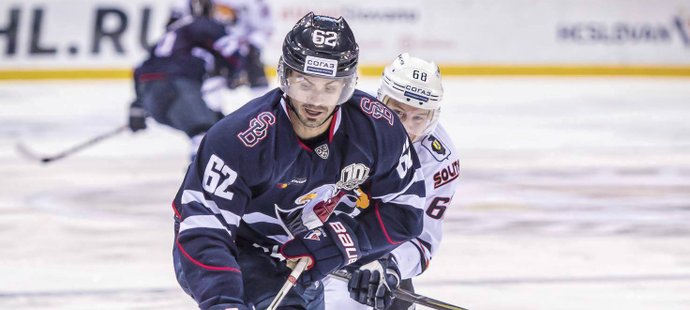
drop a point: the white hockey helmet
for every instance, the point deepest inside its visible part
(414, 82)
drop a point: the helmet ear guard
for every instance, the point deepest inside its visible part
(413, 82)
(323, 47)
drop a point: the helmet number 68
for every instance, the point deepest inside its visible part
(419, 75)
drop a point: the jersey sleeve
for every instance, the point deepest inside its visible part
(441, 181)
(208, 208)
(397, 193)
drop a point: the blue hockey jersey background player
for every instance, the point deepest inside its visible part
(312, 169)
(168, 83)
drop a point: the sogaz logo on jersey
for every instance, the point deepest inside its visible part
(320, 66)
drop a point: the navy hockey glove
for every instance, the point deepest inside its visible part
(367, 286)
(329, 247)
(137, 118)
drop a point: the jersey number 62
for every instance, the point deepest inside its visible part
(214, 172)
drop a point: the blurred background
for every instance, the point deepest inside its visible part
(570, 118)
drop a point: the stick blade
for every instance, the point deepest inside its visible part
(27, 153)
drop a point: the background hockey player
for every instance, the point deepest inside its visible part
(412, 88)
(168, 84)
(314, 169)
(253, 26)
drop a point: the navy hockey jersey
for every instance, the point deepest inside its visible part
(252, 162)
(188, 47)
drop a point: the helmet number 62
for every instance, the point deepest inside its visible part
(324, 37)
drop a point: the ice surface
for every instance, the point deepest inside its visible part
(575, 194)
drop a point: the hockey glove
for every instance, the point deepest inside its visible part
(137, 118)
(329, 247)
(367, 286)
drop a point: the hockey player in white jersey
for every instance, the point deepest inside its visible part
(410, 87)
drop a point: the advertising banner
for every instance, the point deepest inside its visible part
(99, 38)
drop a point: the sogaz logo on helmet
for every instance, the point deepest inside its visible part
(320, 66)
(418, 90)
(417, 93)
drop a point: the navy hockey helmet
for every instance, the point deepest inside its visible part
(323, 47)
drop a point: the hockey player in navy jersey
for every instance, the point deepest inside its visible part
(168, 84)
(313, 169)
(412, 88)
(253, 24)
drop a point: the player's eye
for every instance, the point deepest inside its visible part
(305, 86)
(419, 118)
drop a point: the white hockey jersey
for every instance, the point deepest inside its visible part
(441, 167)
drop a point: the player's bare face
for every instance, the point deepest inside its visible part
(313, 99)
(415, 120)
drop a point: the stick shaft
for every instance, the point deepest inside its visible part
(289, 283)
(73, 149)
(406, 295)
(90, 142)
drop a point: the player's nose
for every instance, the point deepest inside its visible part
(317, 99)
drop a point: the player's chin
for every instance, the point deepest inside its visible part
(313, 122)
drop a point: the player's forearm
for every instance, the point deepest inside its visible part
(209, 269)
(387, 226)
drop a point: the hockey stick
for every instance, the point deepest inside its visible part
(46, 159)
(406, 295)
(291, 280)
